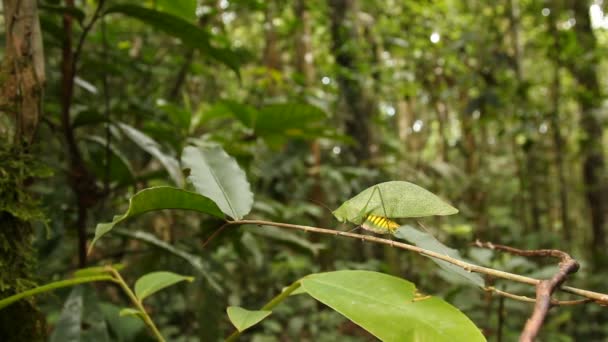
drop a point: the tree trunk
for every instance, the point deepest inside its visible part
(584, 69)
(357, 103)
(22, 75)
(558, 141)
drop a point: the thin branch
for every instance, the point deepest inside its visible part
(545, 288)
(215, 233)
(600, 298)
(532, 300)
(85, 32)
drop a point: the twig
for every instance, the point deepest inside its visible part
(532, 300)
(215, 233)
(545, 288)
(600, 298)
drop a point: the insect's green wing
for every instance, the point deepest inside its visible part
(399, 199)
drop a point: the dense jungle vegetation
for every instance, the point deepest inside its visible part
(303, 170)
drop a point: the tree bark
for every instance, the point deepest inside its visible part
(584, 69)
(21, 88)
(357, 103)
(558, 140)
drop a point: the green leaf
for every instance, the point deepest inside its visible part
(129, 312)
(397, 198)
(149, 145)
(243, 319)
(125, 328)
(428, 241)
(97, 270)
(63, 10)
(187, 32)
(157, 198)
(218, 176)
(181, 8)
(388, 307)
(153, 282)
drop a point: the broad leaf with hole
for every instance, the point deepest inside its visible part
(395, 199)
(428, 241)
(389, 308)
(218, 176)
(158, 198)
(243, 319)
(153, 282)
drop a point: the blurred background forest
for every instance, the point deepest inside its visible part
(496, 106)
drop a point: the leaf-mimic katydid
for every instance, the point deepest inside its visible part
(375, 207)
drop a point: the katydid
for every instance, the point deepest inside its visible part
(396, 199)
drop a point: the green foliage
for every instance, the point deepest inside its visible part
(471, 116)
(157, 198)
(218, 176)
(243, 319)
(387, 307)
(151, 283)
(395, 199)
(189, 33)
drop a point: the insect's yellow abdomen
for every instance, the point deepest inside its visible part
(379, 224)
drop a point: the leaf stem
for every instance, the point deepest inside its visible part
(138, 303)
(270, 305)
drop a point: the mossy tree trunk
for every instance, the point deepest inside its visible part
(22, 75)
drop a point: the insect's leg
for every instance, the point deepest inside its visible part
(352, 230)
(363, 213)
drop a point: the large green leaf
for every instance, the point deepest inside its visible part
(218, 176)
(428, 241)
(149, 145)
(388, 307)
(153, 282)
(395, 199)
(157, 198)
(243, 319)
(187, 32)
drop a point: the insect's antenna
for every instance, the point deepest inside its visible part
(423, 227)
(321, 204)
(382, 200)
(352, 230)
